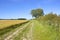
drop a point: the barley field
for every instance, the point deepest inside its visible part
(7, 23)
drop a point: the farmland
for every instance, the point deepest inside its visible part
(10, 25)
(32, 30)
(7, 23)
(29, 19)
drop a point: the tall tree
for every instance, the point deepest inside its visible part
(37, 13)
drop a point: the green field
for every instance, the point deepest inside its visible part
(43, 32)
(31, 30)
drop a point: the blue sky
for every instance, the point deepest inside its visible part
(22, 8)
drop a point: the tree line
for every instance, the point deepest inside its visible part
(15, 19)
(50, 17)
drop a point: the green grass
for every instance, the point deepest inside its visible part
(43, 32)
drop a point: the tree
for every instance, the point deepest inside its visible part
(37, 13)
(21, 19)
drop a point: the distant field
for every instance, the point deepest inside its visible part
(7, 23)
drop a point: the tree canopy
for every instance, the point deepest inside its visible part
(37, 13)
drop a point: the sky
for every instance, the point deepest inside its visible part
(22, 8)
